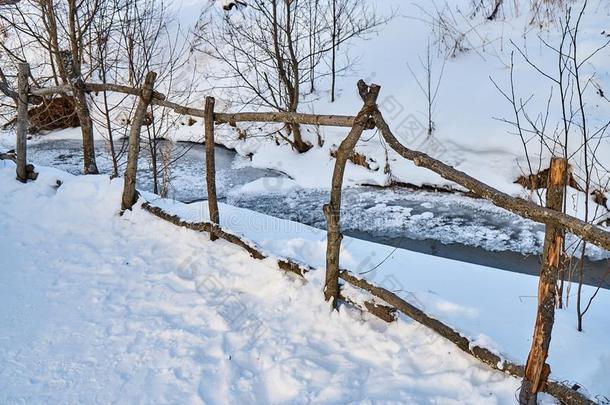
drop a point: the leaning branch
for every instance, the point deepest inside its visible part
(559, 391)
(382, 311)
(519, 206)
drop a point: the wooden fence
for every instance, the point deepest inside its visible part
(535, 373)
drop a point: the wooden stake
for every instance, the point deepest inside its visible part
(130, 195)
(332, 210)
(210, 165)
(22, 121)
(536, 369)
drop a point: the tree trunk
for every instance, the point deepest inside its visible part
(333, 58)
(210, 164)
(22, 121)
(300, 145)
(536, 369)
(130, 195)
(332, 210)
(82, 111)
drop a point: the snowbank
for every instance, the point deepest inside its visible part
(490, 306)
(95, 307)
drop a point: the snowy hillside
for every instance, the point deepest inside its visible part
(141, 311)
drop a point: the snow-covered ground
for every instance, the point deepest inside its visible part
(492, 307)
(98, 308)
(101, 308)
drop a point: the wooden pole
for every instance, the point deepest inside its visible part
(22, 121)
(210, 165)
(332, 210)
(130, 195)
(536, 369)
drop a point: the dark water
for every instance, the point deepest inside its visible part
(433, 223)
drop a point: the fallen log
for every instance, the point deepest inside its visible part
(290, 118)
(220, 118)
(92, 87)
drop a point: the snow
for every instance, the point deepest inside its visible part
(100, 308)
(97, 307)
(491, 306)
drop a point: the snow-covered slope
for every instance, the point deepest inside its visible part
(94, 305)
(97, 308)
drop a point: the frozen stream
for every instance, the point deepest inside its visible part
(441, 224)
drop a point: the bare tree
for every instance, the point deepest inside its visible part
(572, 138)
(346, 19)
(430, 85)
(61, 28)
(272, 49)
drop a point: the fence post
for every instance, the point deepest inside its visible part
(536, 369)
(130, 195)
(332, 210)
(22, 121)
(210, 162)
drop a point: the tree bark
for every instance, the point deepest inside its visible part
(210, 163)
(22, 121)
(290, 118)
(332, 210)
(130, 195)
(536, 369)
